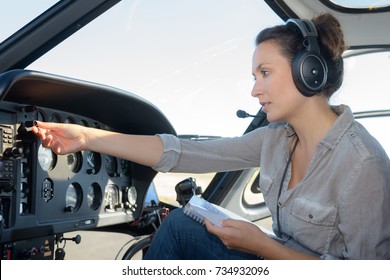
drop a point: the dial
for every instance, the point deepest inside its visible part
(46, 158)
(125, 167)
(73, 197)
(83, 123)
(94, 162)
(41, 116)
(111, 166)
(75, 161)
(111, 197)
(70, 120)
(56, 118)
(132, 196)
(94, 196)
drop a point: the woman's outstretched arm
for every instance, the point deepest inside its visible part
(68, 138)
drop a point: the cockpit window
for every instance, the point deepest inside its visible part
(362, 4)
(11, 23)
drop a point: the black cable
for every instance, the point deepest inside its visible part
(281, 185)
(131, 240)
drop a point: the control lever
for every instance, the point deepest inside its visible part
(186, 189)
(76, 239)
(60, 252)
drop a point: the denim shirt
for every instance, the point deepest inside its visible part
(339, 210)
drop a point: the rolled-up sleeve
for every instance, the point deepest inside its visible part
(172, 151)
(224, 154)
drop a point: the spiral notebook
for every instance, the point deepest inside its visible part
(198, 209)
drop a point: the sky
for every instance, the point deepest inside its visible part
(192, 59)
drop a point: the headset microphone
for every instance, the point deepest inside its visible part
(242, 114)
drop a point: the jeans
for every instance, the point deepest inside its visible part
(181, 238)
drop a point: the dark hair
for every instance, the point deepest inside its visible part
(330, 40)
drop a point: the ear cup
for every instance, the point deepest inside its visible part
(309, 72)
(309, 68)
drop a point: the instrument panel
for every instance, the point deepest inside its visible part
(43, 194)
(78, 185)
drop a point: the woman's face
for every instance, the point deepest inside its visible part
(274, 86)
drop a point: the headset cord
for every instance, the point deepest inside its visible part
(281, 185)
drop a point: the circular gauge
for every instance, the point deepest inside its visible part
(132, 196)
(41, 116)
(94, 196)
(70, 120)
(46, 158)
(75, 161)
(83, 122)
(73, 198)
(56, 118)
(125, 167)
(111, 197)
(94, 162)
(111, 166)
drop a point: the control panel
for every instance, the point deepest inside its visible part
(42, 194)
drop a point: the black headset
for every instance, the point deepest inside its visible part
(309, 68)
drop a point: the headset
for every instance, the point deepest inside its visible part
(309, 68)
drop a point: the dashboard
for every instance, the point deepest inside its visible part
(43, 194)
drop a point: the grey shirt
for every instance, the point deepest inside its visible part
(341, 208)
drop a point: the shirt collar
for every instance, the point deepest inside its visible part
(343, 123)
(340, 127)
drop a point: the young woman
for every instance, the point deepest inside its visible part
(325, 179)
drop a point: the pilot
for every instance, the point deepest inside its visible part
(325, 179)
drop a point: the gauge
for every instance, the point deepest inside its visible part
(70, 120)
(96, 125)
(75, 161)
(46, 158)
(56, 118)
(111, 197)
(83, 123)
(94, 196)
(73, 197)
(125, 167)
(111, 166)
(41, 116)
(132, 195)
(94, 162)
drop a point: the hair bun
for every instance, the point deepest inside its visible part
(330, 35)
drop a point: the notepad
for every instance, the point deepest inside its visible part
(198, 209)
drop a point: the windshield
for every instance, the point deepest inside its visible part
(17, 13)
(192, 59)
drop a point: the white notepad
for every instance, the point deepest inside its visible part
(198, 209)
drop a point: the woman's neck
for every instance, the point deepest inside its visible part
(313, 124)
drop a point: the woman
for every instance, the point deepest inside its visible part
(324, 178)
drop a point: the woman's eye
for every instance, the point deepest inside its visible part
(264, 73)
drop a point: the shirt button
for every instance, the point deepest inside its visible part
(310, 216)
(279, 204)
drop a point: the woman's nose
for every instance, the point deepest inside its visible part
(257, 89)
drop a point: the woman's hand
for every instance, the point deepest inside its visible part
(239, 235)
(247, 237)
(61, 138)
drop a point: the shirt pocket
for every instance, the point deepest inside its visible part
(312, 224)
(313, 212)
